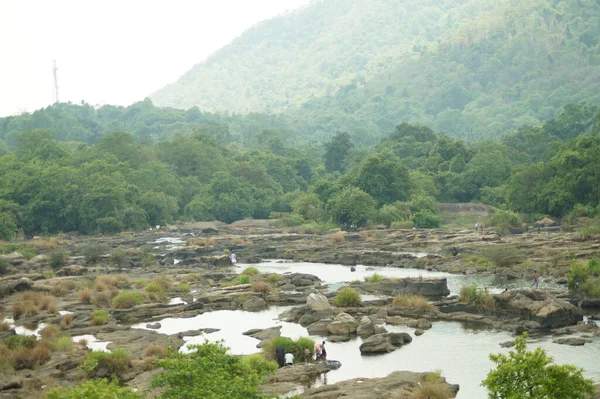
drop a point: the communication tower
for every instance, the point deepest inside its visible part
(54, 69)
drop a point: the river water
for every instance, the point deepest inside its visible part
(460, 352)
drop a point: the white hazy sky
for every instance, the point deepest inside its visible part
(112, 51)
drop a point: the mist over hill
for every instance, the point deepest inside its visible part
(471, 68)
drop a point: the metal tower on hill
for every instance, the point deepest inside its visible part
(54, 69)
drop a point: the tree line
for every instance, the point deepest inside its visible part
(124, 182)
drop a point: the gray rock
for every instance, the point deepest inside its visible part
(154, 326)
(317, 302)
(384, 343)
(572, 341)
(343, 324)
(254, 305)
(319, 327)
(419, 332)
(11, 285)
(507, 344)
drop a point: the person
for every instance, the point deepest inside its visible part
(318, 349)
(476, 226)
(323, 352)
(536, 280)
(289, 359)
(280, 355)
(233, 259)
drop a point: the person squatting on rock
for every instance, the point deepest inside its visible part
(289, 359)
(280, 355)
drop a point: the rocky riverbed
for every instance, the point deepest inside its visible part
(192, 263)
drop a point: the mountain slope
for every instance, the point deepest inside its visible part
(314, 51)
(472, 68)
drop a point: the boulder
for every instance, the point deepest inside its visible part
(507, 344)
(11, 285)
(254, 305)
(538, 306)
(317, 302)
(422, 324)
(430, 288)
(154, 326)
(419, 332)
(319, 327)
(399, 384)
(263, 335)
(343, 324)
(384, 343)
(572, 341)
(366, 327)
(303, 280)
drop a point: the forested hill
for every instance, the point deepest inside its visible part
(471, 68)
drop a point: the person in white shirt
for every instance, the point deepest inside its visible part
(289, 359)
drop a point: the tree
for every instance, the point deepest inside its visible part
(209, 372)
(94, 389)
(351, 207)
(336, 152)
(530, 374)
(386, 180)
(8, 226)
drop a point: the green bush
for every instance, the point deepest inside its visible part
(403, 225)
(183, 288)
(375, 278)
(92, 253)
(504, 221)
(298, 348)
(154, 288)
(119, 257)
(478, 260)
(4, 265)
(259, 365)
(273, 278)
(94, 389)
(99, 317)
(241, 279)
(590, 288)
(250, 271)
(577, 275)
(20, 341)
(504, 255)
(476, 296)
(127, 300)
(63, 344)
(116, 362)
(347, 297)
(426, 219)
(57, 259)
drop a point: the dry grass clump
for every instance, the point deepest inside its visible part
(31, 303)
(241, 241)
(101, 299)
(190, 278)
(260, 286)
(45, 243)
(412, 301)
(85, 296)
(200, 242)
(338, 237)
(62, 288)
(117, 280)
(99, 317)
(366, 235)
(477, 296)
(24, 353)
(66, 321)
(432, 387)
(50, 333)
(4, 326)
(156, 351)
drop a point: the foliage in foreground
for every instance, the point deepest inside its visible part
(476, 296)
(530, 374)
(208, 372)
(94, 389)
(298, 348)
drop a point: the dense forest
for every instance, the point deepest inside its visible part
(473, 69)
(125, 181)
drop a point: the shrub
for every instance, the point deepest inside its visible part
(20, 341)
(259, 365)
(183, 288)
(200, 242)
(24, 309)
(425, 219)
(250, 271)
(119, 257)
(50, 333)
(297, 348)
(577, 275)
(260, 286)
(99, 317)
(47, 274)
(412, 301)
(63, 344)
(273, 278)
(94, 389)
(590, 288)
(403, 225)
(4, 267)
(504, 221)
(26, 358)
(63, 287)
(66, 321)
(127, 300)
(154, 350)
(57, 259)
(347, 297)
(85, 296)
(147, 257)
(101, 298)
(432, 387)
(375, 278)
(476, 296)
(92, 253)
(478, 260)
(338, 237)
(504, 255)
(115, 362)
(154, 288)
(4, 326)
(241, 279)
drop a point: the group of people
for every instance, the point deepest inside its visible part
(478, 227)
(287, 358)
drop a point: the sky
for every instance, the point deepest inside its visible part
(113, 51)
